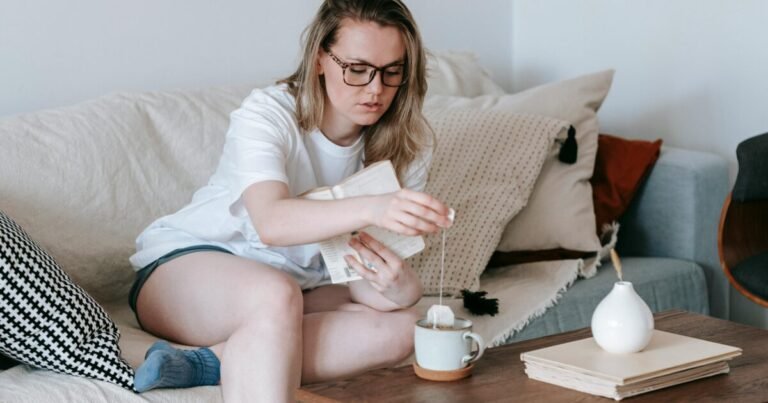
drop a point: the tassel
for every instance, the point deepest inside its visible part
(477, 304)
(569, 149)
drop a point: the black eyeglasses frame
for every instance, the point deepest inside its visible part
(344, 66)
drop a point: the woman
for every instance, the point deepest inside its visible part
(239, 270)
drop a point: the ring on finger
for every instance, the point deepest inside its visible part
(370, 266)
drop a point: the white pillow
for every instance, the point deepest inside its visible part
(459, 74)
(560, 213)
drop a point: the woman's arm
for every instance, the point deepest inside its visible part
(283, 221)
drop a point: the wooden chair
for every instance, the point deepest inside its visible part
(743, 232)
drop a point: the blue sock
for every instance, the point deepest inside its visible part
(168, 367)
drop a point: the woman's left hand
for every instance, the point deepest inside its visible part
(386, 272)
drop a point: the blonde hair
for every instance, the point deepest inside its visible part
(402, 132)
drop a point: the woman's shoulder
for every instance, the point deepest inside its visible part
(273, 105)
(274, 97)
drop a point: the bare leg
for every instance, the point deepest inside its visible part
(247, 312)
(207, 298)
(326, 298)
(341, 344)
(342, 338)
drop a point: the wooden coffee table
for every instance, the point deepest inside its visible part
(499, 375)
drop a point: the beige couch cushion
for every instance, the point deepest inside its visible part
(560, 213)
(85, 180)
(484, 166)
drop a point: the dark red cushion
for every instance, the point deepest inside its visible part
(621, 167)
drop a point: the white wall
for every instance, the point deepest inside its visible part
(55, 53)
(690, 72)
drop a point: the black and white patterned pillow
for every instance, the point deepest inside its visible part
(48, 321)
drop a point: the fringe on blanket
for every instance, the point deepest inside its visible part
(608, 238)
(502, 338)
(585, 269)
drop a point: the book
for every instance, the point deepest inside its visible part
(670, 359)
(377, 178)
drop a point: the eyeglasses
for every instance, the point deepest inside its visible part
(361, 74)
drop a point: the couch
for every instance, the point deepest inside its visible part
(73, 188)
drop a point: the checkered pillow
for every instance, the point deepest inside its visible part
(49, 322)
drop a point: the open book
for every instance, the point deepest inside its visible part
(670, 359)
(377, 178)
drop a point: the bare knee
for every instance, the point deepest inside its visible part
(274, 303)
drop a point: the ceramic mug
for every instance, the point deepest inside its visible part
(446, 349)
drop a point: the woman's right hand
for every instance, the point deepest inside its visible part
(408, 212)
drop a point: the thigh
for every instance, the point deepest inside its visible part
(326, 298)
(203, 297)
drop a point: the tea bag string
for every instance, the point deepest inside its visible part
(442, 268)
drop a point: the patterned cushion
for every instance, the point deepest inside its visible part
(560, 213)
(49, 322)
(484, 166)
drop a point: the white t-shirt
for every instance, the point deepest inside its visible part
(263, 143)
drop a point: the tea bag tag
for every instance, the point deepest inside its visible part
(440, 316)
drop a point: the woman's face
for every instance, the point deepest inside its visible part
(348, 108)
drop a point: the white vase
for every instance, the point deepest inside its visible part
(622, 322)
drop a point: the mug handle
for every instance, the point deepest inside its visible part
(475, 355)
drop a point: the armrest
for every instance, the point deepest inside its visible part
(676, 214)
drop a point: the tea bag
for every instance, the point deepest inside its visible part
(442, 315)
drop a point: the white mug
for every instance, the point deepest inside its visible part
(446, 349)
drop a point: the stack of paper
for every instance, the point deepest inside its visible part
(669, 359)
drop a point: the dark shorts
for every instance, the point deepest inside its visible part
(143, 275)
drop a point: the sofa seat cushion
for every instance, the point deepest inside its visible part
(663, 283)
(24, 384)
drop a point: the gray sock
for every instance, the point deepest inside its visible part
(168, 367)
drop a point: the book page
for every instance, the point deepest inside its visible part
(322, 193)
(380, 178)
(333, 251)
(376, 179)
(403, 246)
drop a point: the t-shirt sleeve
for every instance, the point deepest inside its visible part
(256, 149)
(416, 174)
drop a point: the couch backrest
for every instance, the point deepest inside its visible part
(85, 180)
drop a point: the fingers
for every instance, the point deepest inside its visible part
(416, 223)
(426, 200)
(368, 255)
(427, 207)
(400, 228)
(421, 218)
(380, 251)
(364, 272)
(386, 267)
